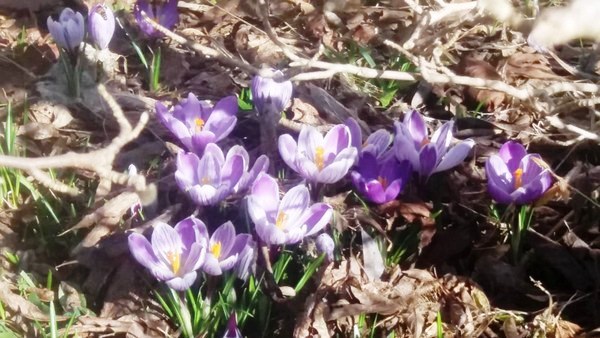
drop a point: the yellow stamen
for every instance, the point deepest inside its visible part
(383, 181)
(175, 260)
(215, 249)
(199, 124)
(319, 160)
(518, 178)
(280, 222)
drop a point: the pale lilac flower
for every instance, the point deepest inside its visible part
(270, 96)
(101, 23)
(285, 221)
(196, 124)
(246, 264)
(428, 156)
(68, 31)
(166, 15)
(173, 254)
(378, 143)
(380, 181)
(515, 177)
(317, 158)
(224, 247)
(210, 179)
(232, 328)
(325, 245)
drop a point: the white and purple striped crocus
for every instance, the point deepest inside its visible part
(325, 245)
(68, 31)
(195, 123)
(269, 95)
(212, 178)
(173, 254)
(101, 24)
(246, 264)
(317, 158)
(515, 176)
(166, 15)
(377, 143)
(428, 156)
(380, 180)
(285, 221)
(224, 248)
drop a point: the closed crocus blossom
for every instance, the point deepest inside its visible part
(380, 181)
(210, 179)
(515, 176)
(285, 221)
(68, 31)
(260, 165)
(317, 158)
(428, 156)
(165, 15)
(101, 23)
(378, 143)
(196, 123)
(246, 264)
(232, 328)
(173, 254)
(269, 95)
(224, 248)
(325, 245)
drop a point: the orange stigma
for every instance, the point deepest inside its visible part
(175, 260)
(384, 182)
(319, 160)
(280, 222)
(518, 178)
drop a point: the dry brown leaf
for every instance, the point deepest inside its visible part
(528, 66)
(21, 306)
(471, 66)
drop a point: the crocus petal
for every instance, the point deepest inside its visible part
(499, 179)
(211, 266)
(355, 132)
(186, 173)
(428, 158)
(374, 192)
(266, 192)
(195, 258)
(169, 15)
(101, 24)
(404, 148)
(368, 166)
(416, 127)
(293, 204)
(378, 142)
(455, 155)
(317, 217)
(260, 165)
(182, 283)
(142, 251)
(229, 262)
(246, 263)
(200, 140)
(530, 168)
(189, 231)
(308, 141)
(339, 168)
(307, 169)
(270, 234)
(165, 240)
(231, 172)
(225, 235)
(442, 138)
(257, 213)
(337, 139)
(287, 150)
(215, 151)
(223, 118)
(204, 195)
(209, 170)
(56, 30)
(512, 153)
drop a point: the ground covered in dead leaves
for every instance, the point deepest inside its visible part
(499, 68)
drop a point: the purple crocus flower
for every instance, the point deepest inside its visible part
(232, 328)
(428, 156)
(380, 181)
(224, 248)
(288, 220)
(196, 124)
(173, 254)
(325, 245)
(210, 179)
(101, 23)
(270, 96)
(246, 264)
(68, 31)
(165, 15)
(515, 176)
(317, 158)
(378, 143)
